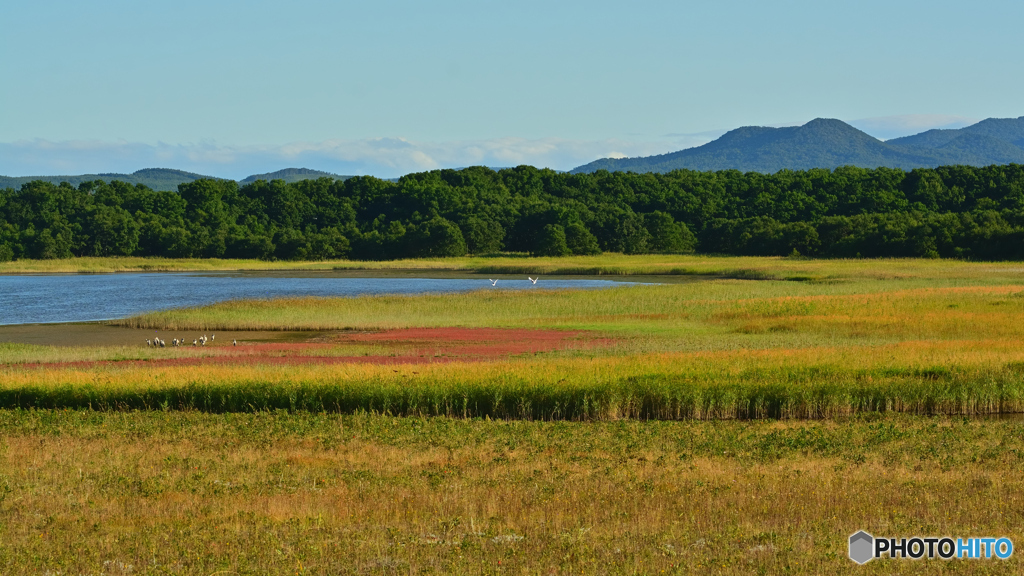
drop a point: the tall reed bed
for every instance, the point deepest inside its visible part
(511, 392)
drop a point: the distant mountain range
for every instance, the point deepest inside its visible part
(821, 143)
(825, 143)
(166, 178)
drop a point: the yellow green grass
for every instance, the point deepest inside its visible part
(714, 308)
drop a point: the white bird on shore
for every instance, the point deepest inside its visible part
(532, 279)
(493, 282)
(213, 337)
(194, 342)
(234, 342)
(148, 342)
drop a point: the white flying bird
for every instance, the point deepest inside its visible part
(533, 280)
(493, 282)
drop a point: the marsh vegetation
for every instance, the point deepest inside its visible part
(730, 425)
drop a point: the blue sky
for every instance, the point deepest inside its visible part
(386, 87)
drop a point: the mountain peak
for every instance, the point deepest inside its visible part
(292, 175)
(166, 173)
(830, 143)
(831, 122)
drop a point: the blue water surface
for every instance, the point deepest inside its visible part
(30, 299)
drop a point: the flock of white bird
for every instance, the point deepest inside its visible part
(495, 282)
(201, 341)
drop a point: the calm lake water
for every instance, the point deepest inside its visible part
(43, 298)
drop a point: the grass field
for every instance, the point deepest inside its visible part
(745, 421)
(85, 492)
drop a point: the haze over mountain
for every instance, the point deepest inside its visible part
(828, 143)
(161, 179)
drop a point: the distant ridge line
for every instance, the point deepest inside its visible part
(166, 179)
(830, 143)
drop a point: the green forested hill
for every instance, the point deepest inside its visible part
(950, 211)
(825, 143)
(1006, 130)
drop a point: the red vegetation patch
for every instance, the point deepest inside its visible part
(463, 334)
(405, 346)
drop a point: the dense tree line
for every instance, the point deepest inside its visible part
(954, 211)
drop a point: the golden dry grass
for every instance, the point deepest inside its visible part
(187, 493)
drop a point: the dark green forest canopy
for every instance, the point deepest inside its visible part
(951, 211)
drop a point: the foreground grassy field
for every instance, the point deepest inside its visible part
(85, 492)
(746, 420)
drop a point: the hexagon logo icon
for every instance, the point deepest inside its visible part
(862, 547)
